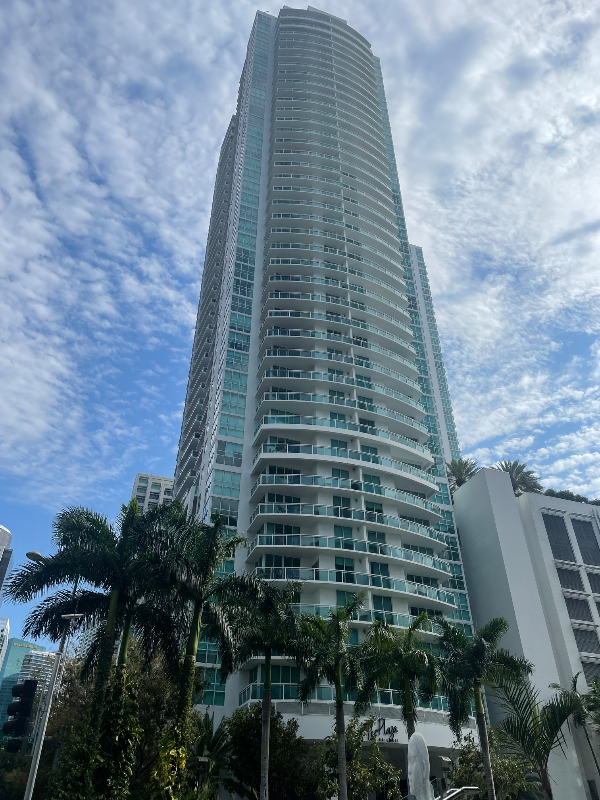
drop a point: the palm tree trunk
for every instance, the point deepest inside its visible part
(340, 729)
(188, 669)
(265, 729)
(409, 711)
(484, 744)
(587, 736)
(104, 660)
(123, 649)
(546, 786)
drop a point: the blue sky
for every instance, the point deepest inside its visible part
(111, 117)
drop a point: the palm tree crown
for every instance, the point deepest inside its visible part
(460, 470)
(470, 664)
(522, 479)
(326, 653)
(390, 655)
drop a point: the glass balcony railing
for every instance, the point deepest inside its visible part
(358, 546)
(366, 615)
(351, 270)
(289, 691)
(338, 452)
(318, 422)
(354, 579)
(355, 323)
(383, 411)
(332, 282)
(343, 379)
(346, 483)
(348, 287)
(339, 512)
(334, 317)
(359, 361)
(340, 301)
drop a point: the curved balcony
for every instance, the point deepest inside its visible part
(315, 400)
(316, 266)
(354, 340)
(407, 447)
(303, 359)
(356, 288)
(297, 513)
(368, 616)
(392, 360)
(354, 323)
(428, 565)
(331, 265)
(414, 504)
(310, 452)
(305, 380)
(299, 298)
(438, 598)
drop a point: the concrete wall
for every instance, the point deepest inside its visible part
(510, 573)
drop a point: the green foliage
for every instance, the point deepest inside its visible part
(209, 755)
(368, 771)
(565, 494)
(522, 479)
(470, 663)
(511, 779)
(294, 772)
(459, 471)
(389, 655)
(532, 730)
(119, 736)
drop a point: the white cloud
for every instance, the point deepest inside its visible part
(111, 120)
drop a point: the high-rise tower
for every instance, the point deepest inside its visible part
(312, 417)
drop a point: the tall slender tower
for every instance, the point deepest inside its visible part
(317, 416)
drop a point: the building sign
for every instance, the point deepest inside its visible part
(383, 733)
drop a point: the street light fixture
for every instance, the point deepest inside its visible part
(34, 555)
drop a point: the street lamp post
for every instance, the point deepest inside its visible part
(39, 742)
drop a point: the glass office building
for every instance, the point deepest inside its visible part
(317, 417)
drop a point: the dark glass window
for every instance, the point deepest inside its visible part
(591, 671)
(594, 579)
(586, 539)
(578, 609)
(587, 641)
(558, 537)
(571, 579)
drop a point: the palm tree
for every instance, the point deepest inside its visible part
(467, 666)
(522, 479)
(532, 729)
(254, 621)
(211, 748)
(587, 709)
(121, 601)
(459, 471)
(389, 655)
(326, 653)
(187, 557)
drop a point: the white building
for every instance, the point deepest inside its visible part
(317, 417)
(152, 490)
(535, 560)
(6, 555)
(37, 665)
(4, 634)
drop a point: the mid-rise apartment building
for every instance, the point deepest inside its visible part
(535, 560)
(152, 490)
(317, 417)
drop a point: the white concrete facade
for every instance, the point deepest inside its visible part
(513, 570)
(152, 490)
